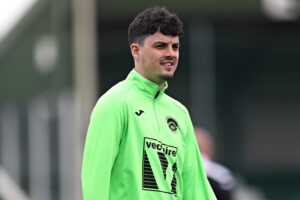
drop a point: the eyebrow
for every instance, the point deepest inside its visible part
(161, 42)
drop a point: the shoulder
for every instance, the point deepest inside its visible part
(177, 104)
(117, 93)
(114, 98)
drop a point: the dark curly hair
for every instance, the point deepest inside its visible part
(152, 20)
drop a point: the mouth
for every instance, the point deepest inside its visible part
(168, 63)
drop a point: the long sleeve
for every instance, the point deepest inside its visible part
(101, 147)
(195, 182)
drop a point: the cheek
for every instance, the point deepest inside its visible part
(151, 58)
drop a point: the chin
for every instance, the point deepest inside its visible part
(166, 76)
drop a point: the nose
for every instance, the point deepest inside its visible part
(171, 51)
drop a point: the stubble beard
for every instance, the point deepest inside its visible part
(166, 77)
(160, 78)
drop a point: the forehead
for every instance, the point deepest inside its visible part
(159, 37)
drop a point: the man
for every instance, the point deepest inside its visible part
(220, 178)
(140, 143)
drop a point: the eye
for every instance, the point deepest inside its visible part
(175, 47)
(160, 46)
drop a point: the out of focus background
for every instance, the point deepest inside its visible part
(238, 75)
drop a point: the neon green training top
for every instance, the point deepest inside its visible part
(141, 145)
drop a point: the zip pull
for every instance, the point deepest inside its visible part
(156, 95)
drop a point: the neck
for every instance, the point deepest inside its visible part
(160, 84)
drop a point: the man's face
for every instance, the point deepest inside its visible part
(157, 58)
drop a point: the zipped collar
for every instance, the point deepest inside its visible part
(148, 88)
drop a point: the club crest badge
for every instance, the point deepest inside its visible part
(172, 124)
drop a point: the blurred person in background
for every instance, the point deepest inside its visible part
(9, 188)
(140, 143)
(220, 178)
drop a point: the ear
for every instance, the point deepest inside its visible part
(135, 51)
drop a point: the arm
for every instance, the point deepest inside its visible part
(101, 148)
(195, 183)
